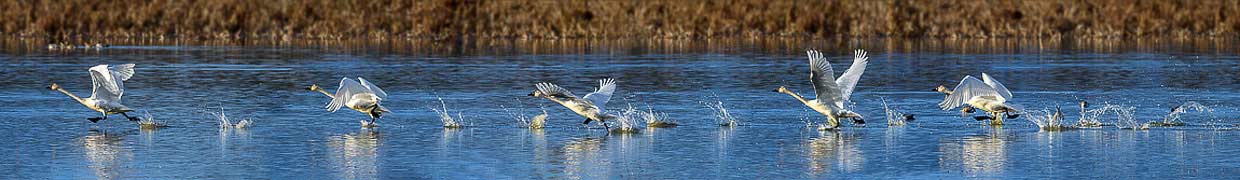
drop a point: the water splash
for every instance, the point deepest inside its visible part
(148, 121)
(1120, 116)
(446, 117)
(1173, 118)
(722, 116)
(1048, 120)
(535, 122)
(894, 116)
(656, 119)
(226, 123)
(627, 118)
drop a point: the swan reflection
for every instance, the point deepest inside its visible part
(105, 151)
(831, 149)
(975, 155)
(356, 154)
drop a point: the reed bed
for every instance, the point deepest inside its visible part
(659, 19)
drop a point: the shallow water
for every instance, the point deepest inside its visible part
(47, 135)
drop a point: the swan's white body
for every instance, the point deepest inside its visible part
(361, 96)
(832, 93)
(591, 106)
(986, 94)
(108, 87)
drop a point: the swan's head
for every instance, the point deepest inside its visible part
(537, 93)
(968, 109)
(781, 89)
(54, 86)
(314, 87)
(942, 89)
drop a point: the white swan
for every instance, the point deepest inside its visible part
(361, 96)
(591, 106)
(831, 92)
(986, 94)
(108, 86)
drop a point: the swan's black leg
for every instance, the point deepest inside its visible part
(605, 128)
(131, 118)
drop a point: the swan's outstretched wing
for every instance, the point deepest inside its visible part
(345, 92)
(823, 78)
(1003, 91)
(553, 90)
(601, 95)
(968, 88)
(373, 89)
(848, 80)
(108, 82)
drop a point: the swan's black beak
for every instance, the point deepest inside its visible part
(531, 94)
(776, 90)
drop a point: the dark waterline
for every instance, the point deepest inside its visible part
(48, 135)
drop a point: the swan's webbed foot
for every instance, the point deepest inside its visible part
(1012, 116)
(982, 118)
(909, 117)
(130, 117)
(858, 121)
(588, 121)
(94, 119)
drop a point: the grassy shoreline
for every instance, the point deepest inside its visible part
(285, 20)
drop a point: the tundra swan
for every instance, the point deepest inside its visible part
(362, 96)
(831, 93)
(591, 106)
(986, 94)
(108, 86)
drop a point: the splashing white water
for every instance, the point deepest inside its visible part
(446, 117)
(893, 115)
(627, 118)
(1121, 116)
(722, 116)
(1048, 120)
(148, 121)
(536, 122)
(225, 123)
(1173, 118)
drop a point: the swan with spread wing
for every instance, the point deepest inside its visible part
(591, 106)
(832, 93)
(360, 95)
(986, 94)
(108, 86)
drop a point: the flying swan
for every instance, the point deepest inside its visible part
(831, 93)
(363, 97)
(105, 96)
(590, 107)
(986, 94)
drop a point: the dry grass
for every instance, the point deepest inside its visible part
(559, 19)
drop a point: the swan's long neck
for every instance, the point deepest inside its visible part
(75, 97)
(325, 93)
(795, 95)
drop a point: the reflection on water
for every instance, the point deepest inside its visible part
(834, 148)
(582, 159)
(106, 153)
(356, 155)
(975, 155)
